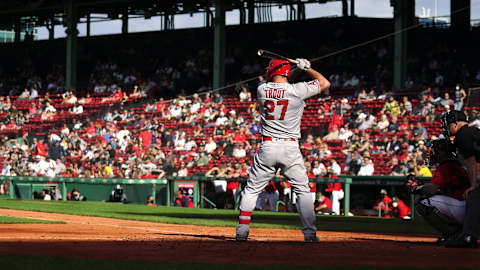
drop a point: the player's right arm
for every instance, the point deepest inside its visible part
(318, 84)
(324, 83)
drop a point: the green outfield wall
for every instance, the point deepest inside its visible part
(137, 190)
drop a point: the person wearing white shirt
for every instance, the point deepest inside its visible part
(367, 168)
(190, 145)
(33, 94)
(176, 112)
(335, 167)
(318, 168)
(239, 151)
(77, 109)
(345, 133)
(210, 146)
(221, 120)
(179, 143)
(50, 108)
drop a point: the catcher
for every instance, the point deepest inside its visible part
(441, 202)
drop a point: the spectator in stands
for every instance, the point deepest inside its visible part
(244, 95)
(460, 96)
(446, 100)
(203, 159)
(345, 133)
(393, 126)
(69, 98)
(24, 95)
(333, 135)
(420, 132)
(318, 169)
(367, 167)
(334, 167)
(210, 146)
(33, 94)
(407, 106)
(383, 124)
(77, 108)
(391, 107)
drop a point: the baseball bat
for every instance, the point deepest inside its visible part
(271, 55)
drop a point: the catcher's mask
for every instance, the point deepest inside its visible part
(278, 67)
(451, 117)
(441, 150)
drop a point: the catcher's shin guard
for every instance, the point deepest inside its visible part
(441, 222)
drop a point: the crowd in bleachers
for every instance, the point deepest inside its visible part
(366, 134)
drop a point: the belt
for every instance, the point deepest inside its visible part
(265, 138)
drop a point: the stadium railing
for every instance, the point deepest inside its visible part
(162, 190)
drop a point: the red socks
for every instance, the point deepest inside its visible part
(244, 217)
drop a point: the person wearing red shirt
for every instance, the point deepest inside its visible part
(336, 191)
(384, 203)
(40, 147)
(400, 209)
(146, 136)
(240, 136)
(182, 200)
(322, 204)
(441, 201)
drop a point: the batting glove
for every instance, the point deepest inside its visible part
(303, 64)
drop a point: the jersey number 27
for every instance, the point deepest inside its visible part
(269, 106)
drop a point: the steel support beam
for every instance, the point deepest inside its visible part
(72, 32)
(251, 11)
(125, 22)
(403, 11)
(219, 46)
(460, 15)
(89, 22)
(352, 8)
(18, 29)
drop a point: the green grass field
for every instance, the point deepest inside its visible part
(213, 217)
(15, 220)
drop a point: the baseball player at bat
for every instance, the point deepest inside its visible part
(281, 105)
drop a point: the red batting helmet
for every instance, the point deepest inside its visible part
(278, 67)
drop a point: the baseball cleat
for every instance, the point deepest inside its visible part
(311, 239)
(241, 238)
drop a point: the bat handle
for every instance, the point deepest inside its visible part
(293, 61)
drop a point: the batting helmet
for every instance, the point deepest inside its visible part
(278, 67)
(452, 117)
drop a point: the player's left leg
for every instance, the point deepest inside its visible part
(296, 173)
(443, 213)
(261, 171)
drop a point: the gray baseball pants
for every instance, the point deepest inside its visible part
(287, 156)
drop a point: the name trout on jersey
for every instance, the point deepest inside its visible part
(275, 93)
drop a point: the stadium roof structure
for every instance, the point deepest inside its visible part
(46, 12)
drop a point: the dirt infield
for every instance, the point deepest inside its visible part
(104, 238)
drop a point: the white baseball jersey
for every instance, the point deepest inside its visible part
(281, 107)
